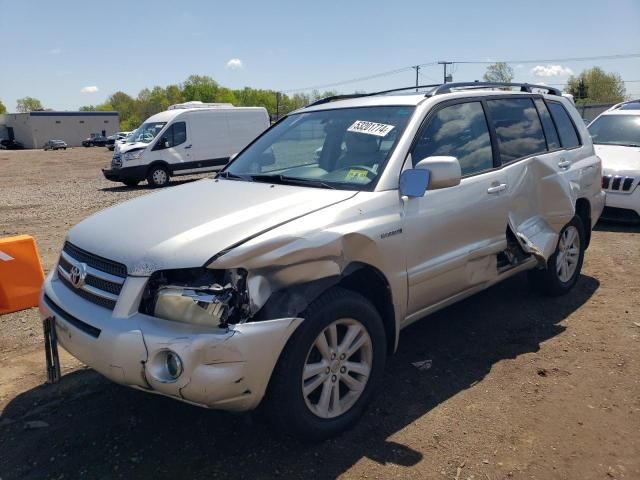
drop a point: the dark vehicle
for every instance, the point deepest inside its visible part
(11, 145)
(97, 141)
(55, 145)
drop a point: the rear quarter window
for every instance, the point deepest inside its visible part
(566, 129)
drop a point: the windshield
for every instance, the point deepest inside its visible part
(342, 148)
(616, 130)
(146, 132)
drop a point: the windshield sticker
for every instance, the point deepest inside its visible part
(356, 175)
(370, 128)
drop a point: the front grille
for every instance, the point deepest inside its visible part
(103, 280)
(617, 183)
(108, 266)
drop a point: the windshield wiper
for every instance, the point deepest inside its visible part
(285, 180)
(232, 176)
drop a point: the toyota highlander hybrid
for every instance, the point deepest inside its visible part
(285, 280)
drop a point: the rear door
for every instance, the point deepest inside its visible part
(533, 160)
(454, 234)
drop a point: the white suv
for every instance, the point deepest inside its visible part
(616, 136)
(286, 278)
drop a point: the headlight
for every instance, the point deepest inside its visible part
(136, 154)
(198, 296)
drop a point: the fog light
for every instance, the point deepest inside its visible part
(173, 364)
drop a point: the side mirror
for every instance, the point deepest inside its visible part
(165, 143)
(414, 182)
(444, 171)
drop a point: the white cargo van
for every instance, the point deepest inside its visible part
(192, 137)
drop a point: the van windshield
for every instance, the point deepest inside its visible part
(616, 130)
(146, 132)
(343, 148)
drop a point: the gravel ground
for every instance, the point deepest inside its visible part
(519, 386)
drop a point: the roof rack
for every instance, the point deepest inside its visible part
(198, 104)
(524, 87)
(358, 95)
(441, 88)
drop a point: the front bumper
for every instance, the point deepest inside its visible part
(227, 369)
(623, 202)
(137, 173)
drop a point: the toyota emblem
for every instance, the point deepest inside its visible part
(78, 274)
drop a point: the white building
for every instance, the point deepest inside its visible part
(33, 129)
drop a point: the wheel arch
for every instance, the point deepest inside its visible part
(163, 163)
(583, 211)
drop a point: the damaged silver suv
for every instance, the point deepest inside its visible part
(286, 279)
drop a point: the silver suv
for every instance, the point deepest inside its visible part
(286, 279)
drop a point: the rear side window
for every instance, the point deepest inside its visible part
(460, 131)
(550, 131)
(517, 127)
(568, 135)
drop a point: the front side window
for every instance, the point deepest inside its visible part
(459, 131)
(517, 127)
(616, 130)
(568, 136)
(342, 148)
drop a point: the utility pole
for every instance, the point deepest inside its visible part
(444, 64)
(417, 68)
(277, 106)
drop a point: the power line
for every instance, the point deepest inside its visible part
(568, 59)
(453, 64)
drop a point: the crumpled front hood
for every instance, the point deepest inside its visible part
(125, 147)
(619, 160)
(185, 226)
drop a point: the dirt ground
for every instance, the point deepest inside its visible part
(519, 386)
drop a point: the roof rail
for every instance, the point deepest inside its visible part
(524, 87)
(358, 95)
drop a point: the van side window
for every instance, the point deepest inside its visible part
(568, 136)
(174, 135)
(459, 131)
(517, 127)
(553, 142)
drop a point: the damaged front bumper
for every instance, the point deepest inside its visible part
(227, 368)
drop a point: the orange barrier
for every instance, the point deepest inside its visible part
(21, 274)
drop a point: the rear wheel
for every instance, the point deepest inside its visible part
(330, 368)
(564, 266)
(158, 176)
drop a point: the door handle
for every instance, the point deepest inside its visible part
(497, 189)
(564, 164)
(188, 146)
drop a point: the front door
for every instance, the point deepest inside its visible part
(174, 147)
(454, 233)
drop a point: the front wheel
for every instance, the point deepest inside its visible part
(564, 266)
(330, 368)
(158, 176)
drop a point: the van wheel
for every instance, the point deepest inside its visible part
(563, 267)
(158, 176)
(330, 367)
(131, 183)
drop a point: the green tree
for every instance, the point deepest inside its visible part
(28, 104)
(199, 87)
(3, 109)
(498, 72)
(596, 86)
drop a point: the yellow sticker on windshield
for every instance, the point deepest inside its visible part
(355, 174)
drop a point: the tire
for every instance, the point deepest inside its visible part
(131, 183)
(158, 176)
(304, 415)
(564, 266)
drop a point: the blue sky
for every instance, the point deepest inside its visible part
(69, 53)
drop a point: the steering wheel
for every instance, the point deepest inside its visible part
(369, 170)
